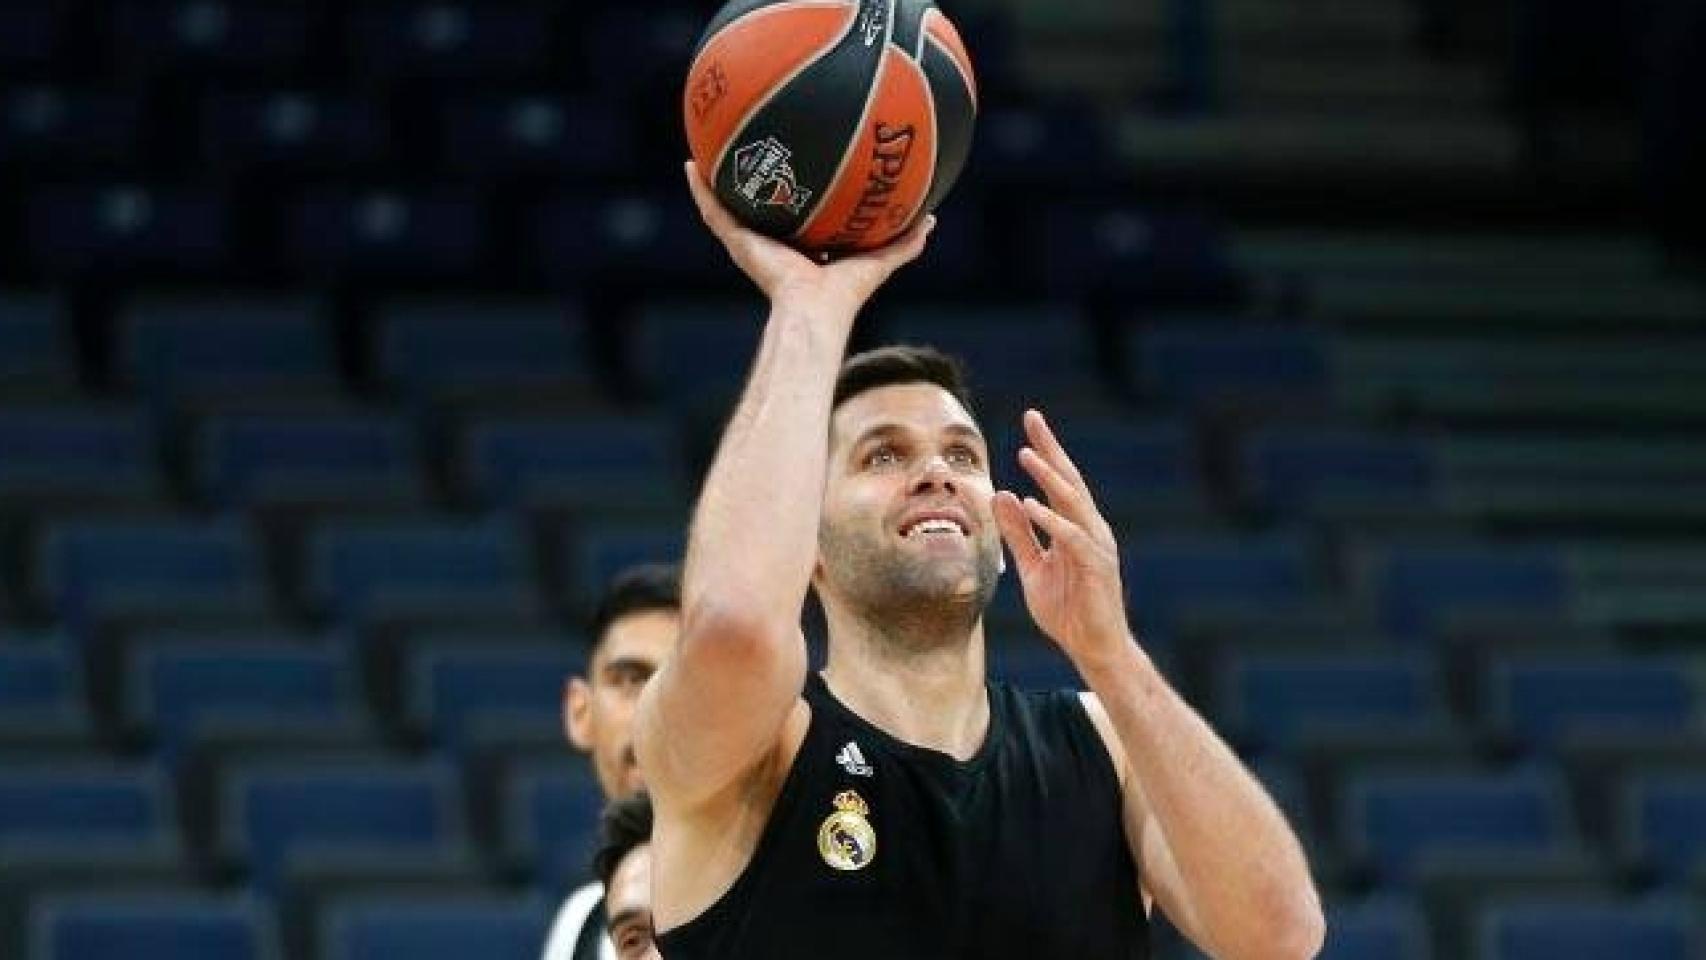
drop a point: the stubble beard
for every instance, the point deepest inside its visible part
(917, 603)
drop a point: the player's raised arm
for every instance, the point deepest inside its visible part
(718, 705)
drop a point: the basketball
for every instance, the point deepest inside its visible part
(832, 125)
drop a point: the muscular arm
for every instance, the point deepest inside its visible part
(1215, 851)
(717, 707)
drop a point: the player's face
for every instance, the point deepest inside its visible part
(906, 514)
(599, 708)
(628, 902)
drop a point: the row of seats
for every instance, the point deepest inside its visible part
(359, 569)
(455, 683)
(110, 927)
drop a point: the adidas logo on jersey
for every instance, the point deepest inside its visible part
(852, 759)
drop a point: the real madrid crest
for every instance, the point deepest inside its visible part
(846, 839)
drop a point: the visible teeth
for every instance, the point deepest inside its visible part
(934, 526)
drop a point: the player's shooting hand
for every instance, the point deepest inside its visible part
(1071, 584)
(783, 273)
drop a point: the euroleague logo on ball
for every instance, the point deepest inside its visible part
(764, 178)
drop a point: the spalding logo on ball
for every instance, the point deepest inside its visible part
(831, 124)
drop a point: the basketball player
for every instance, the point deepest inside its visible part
(903, 806)
(633, 629)
(624, 866)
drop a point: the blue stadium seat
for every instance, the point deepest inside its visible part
(152, 926)
(552, 812)
(138, 568)
(1299, 470)
(1663, 822)
(29, 33)
(1166, 575)
(625, 49)
(1146, 256)
(277, 813)
(1399, 822)
(1539, 698)
(427, 348)
(177, 688)
(230, 347)
(1191, 364)
(638, 237)
(386, 233)
(1568, 929)
(503, 136)
(1043, 346)
(1020, 143)
(437, 927)
(1417, 588)
(1376, 929)
(51, 126)
(91, 804)
(580, 462)
(1134, 467)
(344, 458)
(1276, 698)
(35, 349)
(596, 554)
(38, 681)
(231, 37)
(696, 355)
(455, 40)
(289, 128)
(407, 569)
(120, 228)
(87, 455)
(453, 688)
(1033, 664)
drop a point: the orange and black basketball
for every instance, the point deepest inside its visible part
(831, 124)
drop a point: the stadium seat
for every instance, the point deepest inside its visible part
(176, 689)
(80, 455)
(454, 688)
(96, 570)
(1402, 822)
(1313, 471)
(1044, 346)
(152, 926)
(1166, 575)
(696, 355)
(451, 41)
(29, 33)
(1538, 698)
(428, 349)
(230, 347)
(169, 231)
(437, 927)
(1276, 698)
(584, 462)
(362, 572)
(1135, 468)
(501, 136)
(56, 127)
(1662, 822)
(1192, 364)
(349, 458)
(1150, 257)
(35, 353)
(1536, 929)
(1032, 663)
(640, 238)
(289, 129)
(92, 804)
(1418, 588)
(1376, 929)
(38, 681)
(225, 37)
(389, 234)
(597, 553)
(276, 815)
(551, 812)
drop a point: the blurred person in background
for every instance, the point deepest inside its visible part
(633, 629)
(623, 865)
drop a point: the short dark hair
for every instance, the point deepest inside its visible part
(901, 364)
(637, 589)
(624, 825)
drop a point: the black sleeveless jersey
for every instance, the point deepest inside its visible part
(880, 850)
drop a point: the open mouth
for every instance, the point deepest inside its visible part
(933, 527)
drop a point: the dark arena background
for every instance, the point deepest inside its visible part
(346, 348)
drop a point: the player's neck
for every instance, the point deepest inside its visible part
(929, 696)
